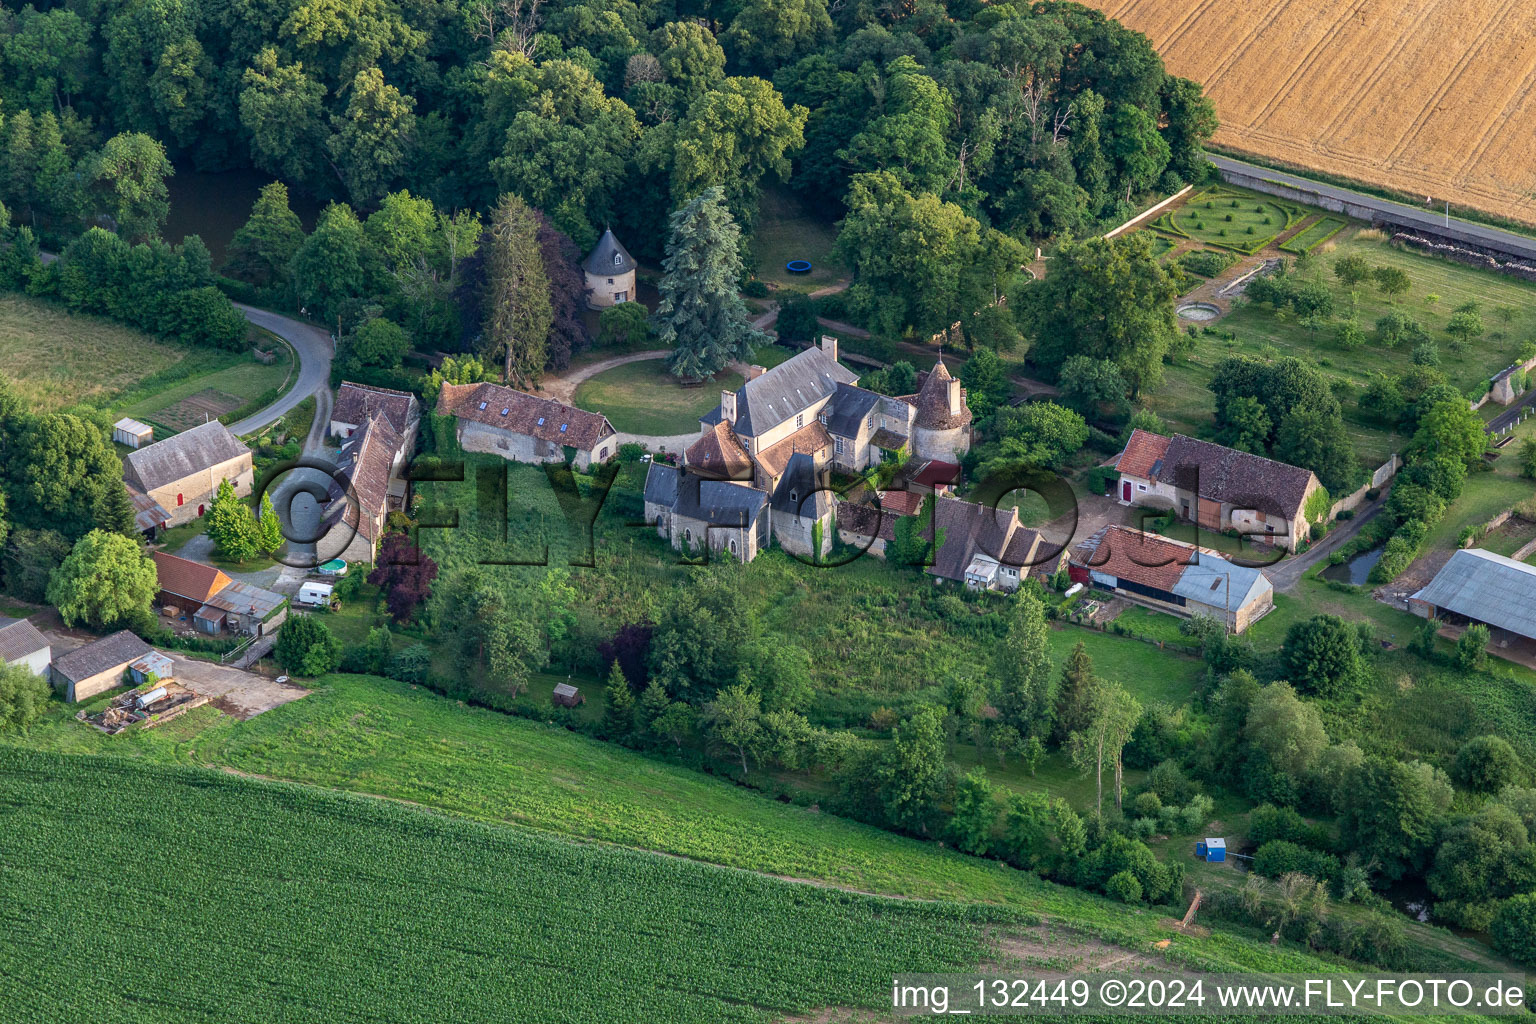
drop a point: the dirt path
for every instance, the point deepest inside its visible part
(563, 389)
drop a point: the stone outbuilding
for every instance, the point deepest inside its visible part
(610, 273)
(21, 644)
(182, 473)
(521, 427)
(97, 667)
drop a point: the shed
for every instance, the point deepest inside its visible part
(567, 696)
(153, 667)
(208, 619)
(98, 666)
(132, 433)
(21, 644)
(1211, 850)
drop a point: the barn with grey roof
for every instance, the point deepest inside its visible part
(1481, 586)
(182, 473)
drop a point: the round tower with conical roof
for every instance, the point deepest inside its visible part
(610, 273)
(941, 428)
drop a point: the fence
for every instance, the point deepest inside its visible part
(1384, 472)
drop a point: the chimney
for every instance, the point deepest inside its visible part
(954, 396)
(754, 372)
(728, 406)
(829, 345)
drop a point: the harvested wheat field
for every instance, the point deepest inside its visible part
(1430, 97)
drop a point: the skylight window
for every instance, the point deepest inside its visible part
(541, 421)
(562, 427)
(482, 406)
(506, 410)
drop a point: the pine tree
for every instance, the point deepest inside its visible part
(621, 703)
(269, 531)
(261, 250)
(114, 513)
(701, 314)
(516, 300)
(231, 525)
(1078, 694)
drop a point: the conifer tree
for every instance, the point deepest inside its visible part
(265, 245)
(1078, 695)
(113, 512)
(269, 531)
(231, 525)
(516, 300)
(701, 314)
(1023, 670)
(621, 702)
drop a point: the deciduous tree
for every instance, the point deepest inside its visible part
(106, 581)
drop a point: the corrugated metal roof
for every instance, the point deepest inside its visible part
(1487, 587)
(133, 426)
(1212, 580)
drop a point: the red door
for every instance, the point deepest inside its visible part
(1125, 491)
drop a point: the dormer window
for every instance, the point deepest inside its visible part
(799, 421)
(794, 497)
(617, 259)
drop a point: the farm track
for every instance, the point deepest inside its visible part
(1425, 97)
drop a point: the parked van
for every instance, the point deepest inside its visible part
(315, 595)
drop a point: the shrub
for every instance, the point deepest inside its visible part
(631, 452)
(306, 647)
(1485, 764)
(1124, 887)
(1514, 929)
(1147, 805)
(755, 288)
(1280, 856)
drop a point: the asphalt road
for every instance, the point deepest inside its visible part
(1421, 217)
(313, 346)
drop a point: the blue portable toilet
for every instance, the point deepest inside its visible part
(1212, 850)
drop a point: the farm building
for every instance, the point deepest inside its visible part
(1169, 576)
(21, 644)
(525, 428)
(1480, 586)
(183, 472)
(356, 404)
(1220, 488)
(154, 667)
(610, 273)
(1213, 851)
(372, 462)
(567, 696)
(214, 602)
(132, 433)
(97, 667)
(983, 547)
(148, 514)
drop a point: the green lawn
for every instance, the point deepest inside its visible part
(643, 398)
(1185, 402)
(785, 231)
(337, 908)
(1315, 234)
(1225, 217)
(58, 359)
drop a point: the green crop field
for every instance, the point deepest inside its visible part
(164, 893)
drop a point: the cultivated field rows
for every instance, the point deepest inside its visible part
(1433, 97)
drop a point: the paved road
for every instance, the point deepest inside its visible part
(313, 346)
(1288, 572)
(1423, 218)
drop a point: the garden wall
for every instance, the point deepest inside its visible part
(1152, 213)
(1384, 472)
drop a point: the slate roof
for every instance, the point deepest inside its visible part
(719, 454)
(102, 655)
(801, 490)
(18, 639)
(600, 261)
(789, 388)
(661, 485)
(848, 409)
(1143, 455)
(933, 401)
(966, 529)
(195, 581)
(1023, 549)
(355, 403)
(1486, 587)
(1218, 473)
(719, 502)
(518, 412)
(808, 440)
(1134, 555)
(178, 457)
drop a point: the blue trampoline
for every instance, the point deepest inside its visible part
(798, 266)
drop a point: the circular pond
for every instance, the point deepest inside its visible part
(1198, 311)
(798, 266)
